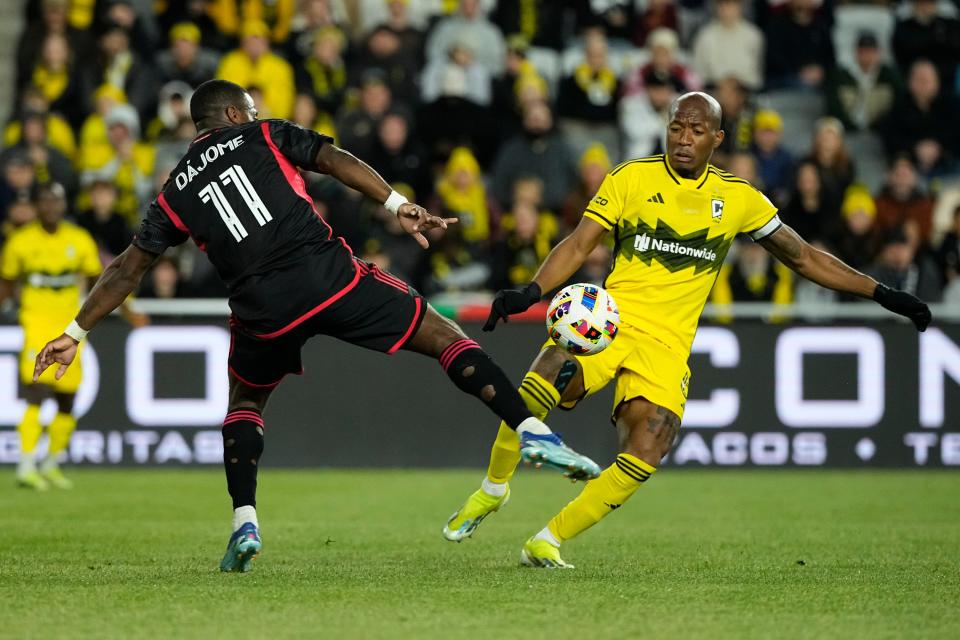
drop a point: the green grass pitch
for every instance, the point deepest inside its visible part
(695, 554)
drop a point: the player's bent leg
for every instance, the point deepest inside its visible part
(242, 448)
(60, 429)
(29, 429)
(554, 376)
(474, 372)
(647, 432)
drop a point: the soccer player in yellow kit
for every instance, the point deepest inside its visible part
(48, 257)
(674, 217)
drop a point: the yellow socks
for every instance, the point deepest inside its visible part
(30, 430)
(540, 397)
(601, 496)
(61, 428)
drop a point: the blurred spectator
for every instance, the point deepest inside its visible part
(185, 59)
(774, 162)
(162, 281)
(594, 166)
(400, 157)
(529, 236)
(829, 154)
(924, 123)
(615, 17)
(540, 151)
(93, 133)
(111, 233)
(452, 121)
(587, 101)
(861, 96)
(49, 165)
(451, 265)
(53, 20)
(656, 14)
(59, 132)
(663, 64)
(18, 214)
(948, 254)
(139, 24)
(926, 35)
(519, 84)
(128, 163)
(357, 128)
(736, 119)
(744, 166)
(119, 65)
(808, 211)
(231, 16)
(458, 75)
(254, 64)
(399, 53)
(753, 276)
(461, 194)
(729, 46)
(901, 201)
(307, 115)
(540, 22)
(174, 12)
(173, 110)
(323, 73)
(54, 76)
(469, 27)
(311, 16)
(18, 180)
(411, 36)
(799, 47)
(596, 267)
(900, 266)
(644, 116)
(854, 240)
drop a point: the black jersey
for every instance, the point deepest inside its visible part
(238, 193)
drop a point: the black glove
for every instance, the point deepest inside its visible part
(510, 301)
(905, 304)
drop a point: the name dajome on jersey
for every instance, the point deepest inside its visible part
(643, 243)
(209, 155)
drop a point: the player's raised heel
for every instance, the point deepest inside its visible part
(32, 480)
(550, 450)
(540, 554)
(467, 518)
(243, 547)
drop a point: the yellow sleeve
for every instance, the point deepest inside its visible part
(90, 260)
(760, 218)
(607, 206)
(10, 261)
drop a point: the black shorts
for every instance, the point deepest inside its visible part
(379, 312)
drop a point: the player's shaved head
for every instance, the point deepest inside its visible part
(698, 100)
(211, 101)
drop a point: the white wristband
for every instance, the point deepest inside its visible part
(394, 200)
(75, 331)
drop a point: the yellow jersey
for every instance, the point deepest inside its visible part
(49, 267)
(671, 235)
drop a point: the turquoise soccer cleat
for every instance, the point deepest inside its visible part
(243, 547)
(550, 450)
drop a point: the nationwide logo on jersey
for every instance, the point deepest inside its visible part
(674, 251)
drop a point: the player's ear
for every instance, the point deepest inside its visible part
(718, 138)
(233, 114)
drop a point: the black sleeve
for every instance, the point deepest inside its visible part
(296, 143)
(157, 231)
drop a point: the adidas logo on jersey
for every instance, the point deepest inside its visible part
(643, 243)
(656, 198)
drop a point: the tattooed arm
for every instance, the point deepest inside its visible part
(816, 265)
(828, 271)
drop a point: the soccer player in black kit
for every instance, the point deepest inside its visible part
(239, 195)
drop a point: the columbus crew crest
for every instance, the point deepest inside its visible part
(716, 206)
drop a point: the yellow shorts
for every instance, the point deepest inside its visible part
(642, 365)
(36, 334)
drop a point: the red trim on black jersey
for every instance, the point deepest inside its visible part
(177, 222)
(255, 385)
(413, 323)
(309, 314)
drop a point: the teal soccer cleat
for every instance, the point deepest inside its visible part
(549, 450)
(243, 547)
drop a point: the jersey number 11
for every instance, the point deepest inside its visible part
(236, 176)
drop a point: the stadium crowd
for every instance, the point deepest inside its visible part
(508, 115)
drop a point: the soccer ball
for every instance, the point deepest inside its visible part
(583, 319)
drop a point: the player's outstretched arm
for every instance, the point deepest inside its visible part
(357, 174)
(831, 272)
(117, 282)
(562, 262)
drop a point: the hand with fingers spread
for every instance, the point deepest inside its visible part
(60, 351)
(415, 220)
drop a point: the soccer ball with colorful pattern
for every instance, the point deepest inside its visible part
(583, 319)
